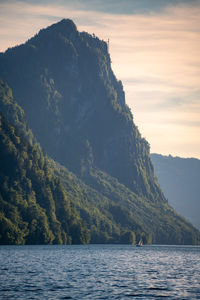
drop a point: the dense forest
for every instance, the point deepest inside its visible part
(29, 208)
(74, 167)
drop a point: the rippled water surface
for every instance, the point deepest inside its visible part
(99, 272)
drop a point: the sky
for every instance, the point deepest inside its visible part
(155, 52)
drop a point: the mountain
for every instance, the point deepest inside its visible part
(76, 107)
(41, 202)
(179, 180)
(63, 85)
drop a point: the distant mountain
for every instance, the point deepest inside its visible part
(179, 180)
(65, 88)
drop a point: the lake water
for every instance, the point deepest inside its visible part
(99, 272)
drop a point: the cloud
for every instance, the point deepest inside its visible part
(155, 54)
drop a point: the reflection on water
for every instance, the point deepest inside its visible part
(99, 272)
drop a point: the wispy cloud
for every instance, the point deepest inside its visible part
(156, 55)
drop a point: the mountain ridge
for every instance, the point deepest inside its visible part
(76, 109)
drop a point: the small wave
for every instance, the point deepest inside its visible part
(134, 295)
(157, 289)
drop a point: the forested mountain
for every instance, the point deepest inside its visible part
(65, 88)
(179, 180)
(76, 107)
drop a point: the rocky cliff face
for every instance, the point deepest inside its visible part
(76, 106)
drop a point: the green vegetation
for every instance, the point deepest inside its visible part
(34, 208)
(96, 182)
(154, 222)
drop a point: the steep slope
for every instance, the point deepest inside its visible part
(76, 107)
(179, 180)
(37, 206)
(34, 207)
(155, 223)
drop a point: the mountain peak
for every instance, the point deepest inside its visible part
(65, 26)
